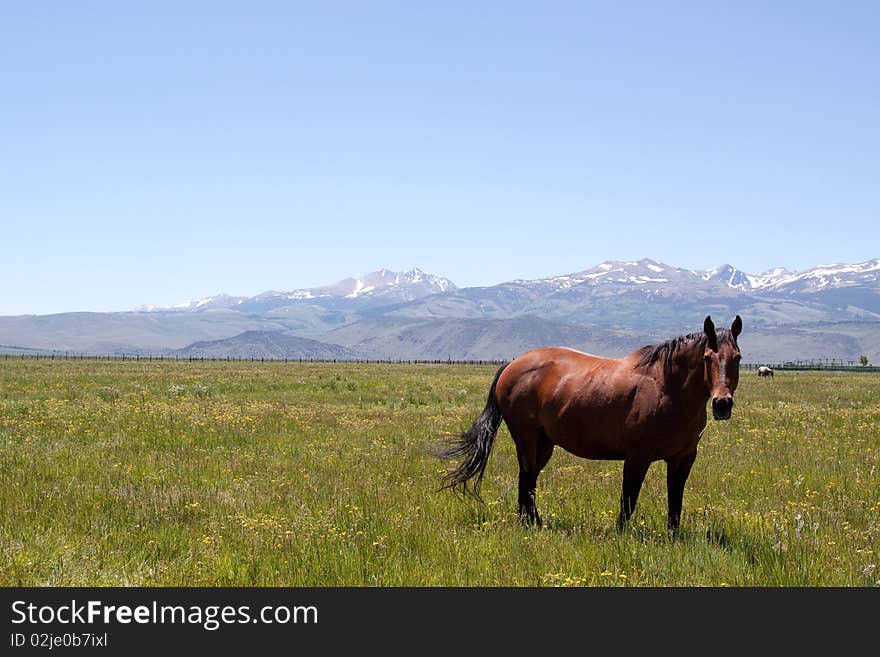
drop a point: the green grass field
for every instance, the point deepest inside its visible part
(258, 474)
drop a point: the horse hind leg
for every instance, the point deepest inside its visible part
(532, 455)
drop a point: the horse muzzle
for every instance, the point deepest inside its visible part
(722, 407)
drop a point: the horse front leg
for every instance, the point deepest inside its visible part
(677, 471)
(634, 471)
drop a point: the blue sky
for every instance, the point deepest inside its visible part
(159, 152)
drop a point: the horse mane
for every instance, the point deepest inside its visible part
(651, 353)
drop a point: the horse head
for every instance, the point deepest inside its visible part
(721, 366)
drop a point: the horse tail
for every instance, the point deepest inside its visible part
(473, 447)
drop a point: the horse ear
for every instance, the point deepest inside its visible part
(737, 326)
(709, 330)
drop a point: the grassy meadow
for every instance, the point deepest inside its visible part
(258, 474)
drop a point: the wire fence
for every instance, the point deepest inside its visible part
(149, 358)
(826, 364)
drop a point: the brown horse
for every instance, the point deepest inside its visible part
(644, 407)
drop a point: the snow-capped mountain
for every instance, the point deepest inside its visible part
(221, 300)
(821, 278)
(384, 285)
(642, 272)
(728, 275)
(817, 279)
(405, 286)
(651, 295)
(647, 274)
(651, 273)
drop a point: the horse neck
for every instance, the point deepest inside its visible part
(683, 375)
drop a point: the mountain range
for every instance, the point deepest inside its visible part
(827, 312)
